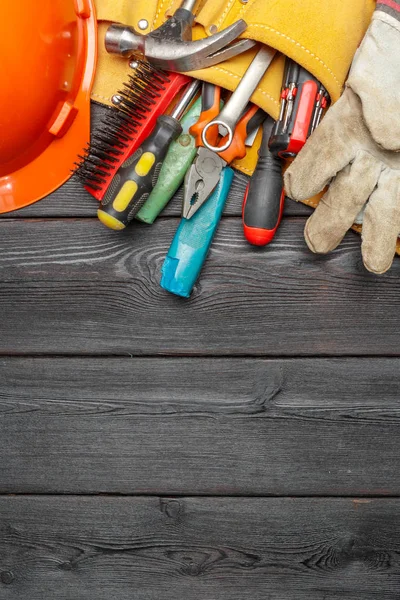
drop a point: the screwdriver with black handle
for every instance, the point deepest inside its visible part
(137, 176)
(262, 212)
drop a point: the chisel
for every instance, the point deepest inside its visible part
(135, 179)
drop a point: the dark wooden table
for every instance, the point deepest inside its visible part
(240, 445)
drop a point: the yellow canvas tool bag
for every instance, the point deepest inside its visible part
(320, 36)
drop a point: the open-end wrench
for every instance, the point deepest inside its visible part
(170, 47)
(233, 109)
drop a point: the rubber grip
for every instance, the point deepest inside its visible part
(246, 125)
(137, 176)
(192, 241)
(264, 199)
(180, 156)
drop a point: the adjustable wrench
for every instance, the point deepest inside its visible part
(230, 115)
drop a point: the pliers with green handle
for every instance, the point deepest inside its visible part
(179, 157)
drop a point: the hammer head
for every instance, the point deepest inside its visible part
(173, 54)
(124, 40)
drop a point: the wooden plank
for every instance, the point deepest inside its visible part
(230, 549)
(71, 200)
(200, 426)
(73, 287)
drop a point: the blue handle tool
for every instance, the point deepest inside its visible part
(192, 241)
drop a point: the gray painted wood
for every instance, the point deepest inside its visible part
(230, 549)
(71, 200)
(74, 287)
(200, 426)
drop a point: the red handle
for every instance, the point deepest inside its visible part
(261, 236)
(264, 198)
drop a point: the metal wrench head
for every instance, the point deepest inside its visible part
(166, 48)
(201, 180)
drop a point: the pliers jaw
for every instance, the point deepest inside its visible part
(201, 180)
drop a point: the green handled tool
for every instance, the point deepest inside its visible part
(137, 176)
(179, 157)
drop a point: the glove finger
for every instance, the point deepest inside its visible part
(331, 147)
(381, 224)
(377, 62)
(341, 204)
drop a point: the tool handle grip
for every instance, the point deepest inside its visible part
(264, 198)
(192, 241)
(250, 121)
(179, 157)
(137, 176)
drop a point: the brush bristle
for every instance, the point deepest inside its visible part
(120, 125)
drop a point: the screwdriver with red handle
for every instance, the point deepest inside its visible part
(303, 102)
(262, 212)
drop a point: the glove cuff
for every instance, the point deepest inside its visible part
(389, 17)
(390, 7)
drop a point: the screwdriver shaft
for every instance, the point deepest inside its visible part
(183, 103)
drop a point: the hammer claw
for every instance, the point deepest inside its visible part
(172, 54)
(229, 52)
(218, 41)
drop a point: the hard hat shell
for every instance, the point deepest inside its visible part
(47, 64)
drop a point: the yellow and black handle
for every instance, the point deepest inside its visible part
(135, 179)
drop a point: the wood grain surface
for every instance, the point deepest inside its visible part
(242, 445)
(227, 548)
(74, 287)
(200, 426)
(72, 200)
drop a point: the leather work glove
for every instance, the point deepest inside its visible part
(356, 149)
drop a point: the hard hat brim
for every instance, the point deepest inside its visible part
(70, 133)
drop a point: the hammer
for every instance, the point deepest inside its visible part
(170, 47)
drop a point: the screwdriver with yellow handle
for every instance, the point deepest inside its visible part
(136, 177)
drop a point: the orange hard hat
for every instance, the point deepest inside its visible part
(47, 63)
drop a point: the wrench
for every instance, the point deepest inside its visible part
(233, 109)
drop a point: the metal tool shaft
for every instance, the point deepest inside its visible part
(233, 109)
(185, 100)
(188, 5)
